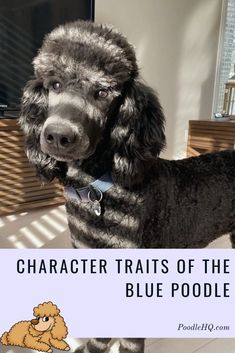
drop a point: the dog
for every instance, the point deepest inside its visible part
(91, 122)
(43, 333)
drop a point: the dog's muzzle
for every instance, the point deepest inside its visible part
(34, 322)
(59, 136)
(64, 141)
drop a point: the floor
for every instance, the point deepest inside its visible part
(47, 228)
(44, 228)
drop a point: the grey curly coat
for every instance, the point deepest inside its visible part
(87, 113)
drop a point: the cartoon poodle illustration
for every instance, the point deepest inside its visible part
(43, 333)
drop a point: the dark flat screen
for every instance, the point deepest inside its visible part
(23, 24)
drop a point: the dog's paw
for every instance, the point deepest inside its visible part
(50, 350)
(67, 348)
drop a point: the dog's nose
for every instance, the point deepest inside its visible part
(34, 322)
(59, 135)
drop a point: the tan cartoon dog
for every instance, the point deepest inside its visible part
(45, 332)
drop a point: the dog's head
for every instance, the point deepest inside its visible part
(43, 324)
(86, 76)
(47, 319)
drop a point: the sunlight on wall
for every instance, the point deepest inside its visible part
(195, 70)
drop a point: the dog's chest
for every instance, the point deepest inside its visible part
(118, 225)
(45, 337)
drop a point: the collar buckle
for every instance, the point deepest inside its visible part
(93, 193)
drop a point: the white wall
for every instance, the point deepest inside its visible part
(176, 43)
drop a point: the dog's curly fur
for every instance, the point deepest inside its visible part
(24, 333)
(154, 202)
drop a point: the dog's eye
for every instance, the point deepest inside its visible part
(102, 93)
(45, 318)
(56, 86)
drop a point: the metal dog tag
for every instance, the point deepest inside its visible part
(97, 197)
(96, 207)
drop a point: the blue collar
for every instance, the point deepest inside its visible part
(93, 193)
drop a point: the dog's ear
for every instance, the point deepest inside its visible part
(138, 137)
(59, 329)
(33, 114)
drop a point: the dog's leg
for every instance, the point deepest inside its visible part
(232, 238)
(59, 344)
(33, 343)
(131, 345)
(94, 345)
